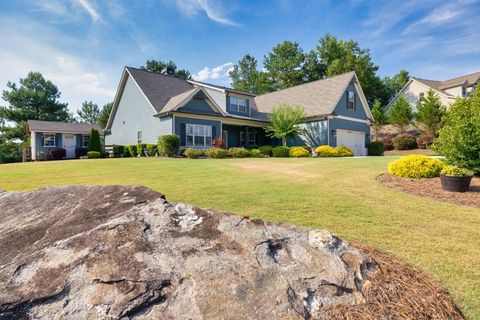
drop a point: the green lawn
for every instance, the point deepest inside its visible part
(339, 194)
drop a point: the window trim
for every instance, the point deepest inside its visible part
(207, 133)
(54, 139)
(139, 136)
(83, 140)
(349, 101)
(236, 106)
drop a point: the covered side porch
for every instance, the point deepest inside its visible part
(238, 135)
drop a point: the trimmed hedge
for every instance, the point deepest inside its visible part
(80, 152)
(142, 149)
(168, 145)
(94, 143)
(56, 154)
(280, 152)
(132, 149)
(266, 150)
(152, 149)
(405, 143)
(344, 151)
(217, 153)
(298, 152)
(93, 154)
(118, 151)
(194, 153)
(238, 152)
(326, 151)
(375, 148)
(416, 166)
(256, 153)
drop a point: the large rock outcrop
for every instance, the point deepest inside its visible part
(125, 252)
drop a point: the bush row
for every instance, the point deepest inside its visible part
(328, 151)
(408, 142)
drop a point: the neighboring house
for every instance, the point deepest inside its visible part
(148, 105)
(45, 135)
(447, 90)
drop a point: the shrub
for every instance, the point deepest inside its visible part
(416, 166)
(218, 143)
(252, 146)
(280, 152)
(80, 152)
(217, 153)
(326, 151)
(425, 141)
(256, 153)
(194, 153)
(266, 150)
(168, 145)
(142, 149)
(238, 152)
(56, 154)
(93, 154)
(10, 152)
(298, 152)
(152, 150)
(344, 151)
(454, 171)
(132, 149)
(405, 143)
(94, 143)
(126, 152)
(387, 144)
(118, 151)
(375, 148)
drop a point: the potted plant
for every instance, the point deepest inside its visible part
(455, 179)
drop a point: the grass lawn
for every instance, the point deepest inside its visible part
(341, 195)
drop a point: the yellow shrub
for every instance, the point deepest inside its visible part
(298, 152)
(344, 151)
(326, 151)
(416, 166)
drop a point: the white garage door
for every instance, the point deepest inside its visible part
(355, 140)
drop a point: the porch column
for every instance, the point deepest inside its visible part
(245, 142)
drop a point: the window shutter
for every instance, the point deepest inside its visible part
(183, 134)
(214, 132)
(347, 94)
(248, 106)
(228, 103)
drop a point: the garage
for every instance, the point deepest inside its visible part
(354, 140)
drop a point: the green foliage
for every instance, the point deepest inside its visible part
(393, 85)
(459, 138)
(142, 149)
(284, 122)
(400, 113)
(194, 153)
(35, 98)
(454, 171)
(344, 151)
(405, 143)
(425, 141)
(217, 153)
(266, 150)
(94, 143)
(246, 77)
(379, 117)
(375, 148)
(168, 145)
(238, 152)
(415, 166)
(118, 151)
(152, 149)
(132, 150)
(93, 154)
(284, 65)
(280, 152)
(255, 153)
(104, 114)
(169, 67)
(298, 152)
(126, 152)
(10, 152)
(326, 151)
(430, 113)
(89, 113)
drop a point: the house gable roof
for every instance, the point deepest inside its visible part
(62, 127)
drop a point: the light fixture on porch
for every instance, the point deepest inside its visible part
(334, 132)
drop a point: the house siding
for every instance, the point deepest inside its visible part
(134, 113)
(217, 96)
(216, 126)
(198, 106)
(39, 142)
(341, 107)
(315, 134)
(334, 124)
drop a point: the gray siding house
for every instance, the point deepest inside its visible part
(148, 105)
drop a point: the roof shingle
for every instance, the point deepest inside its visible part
(63, 127)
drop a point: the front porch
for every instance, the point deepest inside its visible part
(244, 136)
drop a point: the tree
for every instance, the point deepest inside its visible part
(284, 122)
(400, 114)
(379, 118)
(104, 115)
(459, 138)
(338, 56)
(169, 68)
(246, 77)
(94, 143)
(88, 113)
(430, 113)
(284, 65)
(37, 99)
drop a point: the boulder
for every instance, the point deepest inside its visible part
(125, 252)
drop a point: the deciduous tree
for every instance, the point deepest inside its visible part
(380, 119)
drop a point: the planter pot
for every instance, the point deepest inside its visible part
(455, 184)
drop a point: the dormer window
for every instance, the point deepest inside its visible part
(351, 100)
(238, 104)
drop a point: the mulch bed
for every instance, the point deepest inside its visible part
(432, 188)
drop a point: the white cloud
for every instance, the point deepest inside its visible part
(212, 9)
(217, 74)
(87, 6)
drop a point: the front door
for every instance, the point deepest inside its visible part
(69, 144)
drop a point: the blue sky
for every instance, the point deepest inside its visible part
(82, 45)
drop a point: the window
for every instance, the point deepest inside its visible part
(49, 139)
(139, 136)
(251, 137)
(198, 135)
(85, 139)
(238, 104)
(351, 100)
(464, 91)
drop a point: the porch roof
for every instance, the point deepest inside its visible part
(62, 127)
